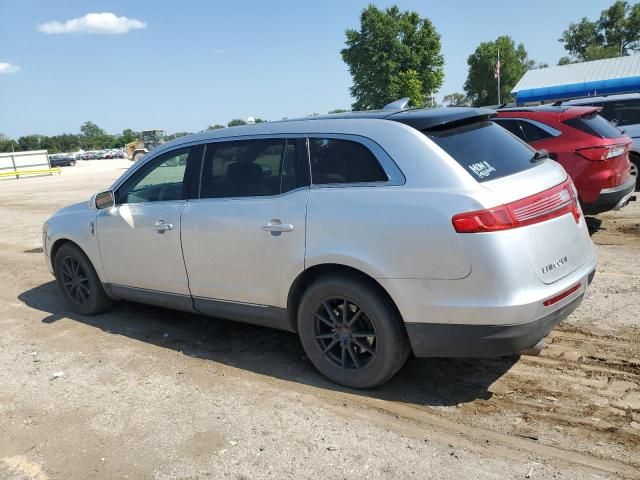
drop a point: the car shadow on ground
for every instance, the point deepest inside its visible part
(428, 382)
(594, 224)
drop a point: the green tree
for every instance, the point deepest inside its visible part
(339, 110)
(456, 100)
(615, 33)
(90, 129)
(382, 54)
(30, 142)
(128, 136)
(481, 85)
(217, 126)
(236, 122)
(408, 84)
(176, 135)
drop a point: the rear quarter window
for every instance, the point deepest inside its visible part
(595, 125)
(485, 150)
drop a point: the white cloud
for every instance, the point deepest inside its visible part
(102, 23)
(219, 52)
(8, 68)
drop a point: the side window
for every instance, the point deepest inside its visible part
(161, 180)
(533, 133)
(622, 113)
(343, 161)
(512, 125)
(249, 168)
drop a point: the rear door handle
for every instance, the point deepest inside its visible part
(277, 227)
(161, 226)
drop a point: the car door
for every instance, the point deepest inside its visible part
(139, 238)
(244, 237)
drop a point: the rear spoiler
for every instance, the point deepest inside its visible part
(576, 111)
(446, 122)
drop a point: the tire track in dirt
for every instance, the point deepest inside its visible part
(580, 396)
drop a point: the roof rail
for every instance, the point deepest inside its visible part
(398, 104)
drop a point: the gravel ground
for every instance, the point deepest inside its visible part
(142, 392)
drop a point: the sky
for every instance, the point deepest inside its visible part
(184, 65)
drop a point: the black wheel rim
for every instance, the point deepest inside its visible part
(75, 280)
(345, 334)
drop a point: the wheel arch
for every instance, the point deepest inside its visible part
(59, 243)
(311, 274)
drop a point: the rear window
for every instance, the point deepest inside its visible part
(485, 150)
(595, 125)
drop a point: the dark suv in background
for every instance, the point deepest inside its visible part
(623, 111)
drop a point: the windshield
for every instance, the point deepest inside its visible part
(485, 150)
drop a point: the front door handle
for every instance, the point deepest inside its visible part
(277, 227)
(161, 226)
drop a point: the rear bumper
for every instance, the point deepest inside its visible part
(611, 198)
(469, 340)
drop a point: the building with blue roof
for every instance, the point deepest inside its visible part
(564, 82)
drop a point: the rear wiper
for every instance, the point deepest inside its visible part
(539, 155)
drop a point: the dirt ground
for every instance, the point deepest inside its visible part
(143, 392)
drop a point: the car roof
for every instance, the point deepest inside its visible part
(549, 112)
(421, 119)
(537, 108)
(602, 98)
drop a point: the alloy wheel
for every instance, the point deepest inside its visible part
(344, 333)
(75, 280)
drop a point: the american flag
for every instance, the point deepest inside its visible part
(496, 70)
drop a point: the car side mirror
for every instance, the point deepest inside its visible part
(614, 122)
(102, 200)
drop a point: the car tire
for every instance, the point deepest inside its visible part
(635, 169)
(341, 350)
(137, 156)
(79, 282)
(72, 163)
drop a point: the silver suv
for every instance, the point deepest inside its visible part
(370, 234)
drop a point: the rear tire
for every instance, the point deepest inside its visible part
(635, 168)
(79, 282)
(362, 348)
(72, 163)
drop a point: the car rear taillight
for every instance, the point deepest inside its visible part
(602, 153)
(562, 296)
(552, 203)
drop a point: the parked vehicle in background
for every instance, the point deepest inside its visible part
(592, 151)
(149, 140)
(370, 234)
(61, 160)
(623, 111)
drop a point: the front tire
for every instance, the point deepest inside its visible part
(79, 282)
(351, 332)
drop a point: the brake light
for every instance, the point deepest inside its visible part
(552, 203)
(602, 153)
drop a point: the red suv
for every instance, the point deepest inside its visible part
(592, 151)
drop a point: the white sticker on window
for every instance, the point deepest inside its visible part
(482, 169)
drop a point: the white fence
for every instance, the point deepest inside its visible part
(33, 160)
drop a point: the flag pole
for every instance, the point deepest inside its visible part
(499, 102)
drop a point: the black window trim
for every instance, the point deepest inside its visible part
(395, 177)
(147, 166)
